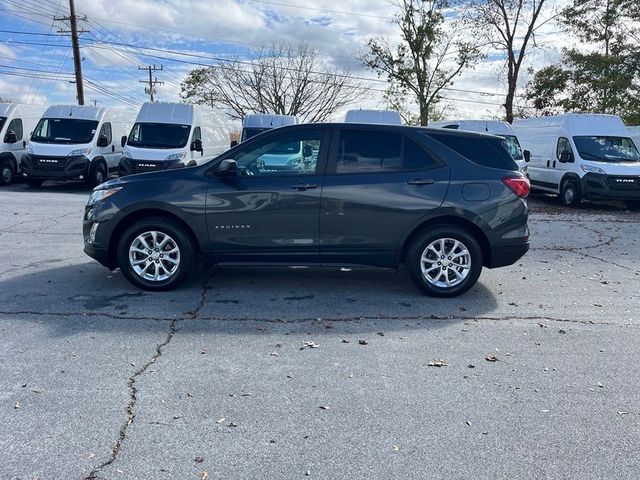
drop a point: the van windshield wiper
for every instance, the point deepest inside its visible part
(593, 157)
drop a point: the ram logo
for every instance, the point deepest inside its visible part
(625, 180)
(47, 160)
(146, 165)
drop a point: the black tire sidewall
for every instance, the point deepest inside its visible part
(3, 165)
(176, 232)
(414, 255)
(93, 177)
(577, 197)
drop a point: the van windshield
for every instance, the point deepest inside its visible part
(64, 130)
(159, 135)
(286, 149)
(513, 147)
(607, 149)
(247, 133)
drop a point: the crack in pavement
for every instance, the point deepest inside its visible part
(133, 390)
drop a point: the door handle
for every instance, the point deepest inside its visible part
(420, 181)
(303, 186)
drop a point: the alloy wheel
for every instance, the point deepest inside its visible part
(154, 256)
(445, 263)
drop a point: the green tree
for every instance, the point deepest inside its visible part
(603, 74)
(428, 57)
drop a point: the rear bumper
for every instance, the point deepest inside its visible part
(55, 168)
(614, 187)
(504, 255)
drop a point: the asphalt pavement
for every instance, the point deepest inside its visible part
(319, 373)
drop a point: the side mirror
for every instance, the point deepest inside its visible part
(234, 143)
(103, 141)
(196, 146)
(566, 157)
(227, 168)
(307, 151)
(527, 156)
(123, 141)
(10, 137)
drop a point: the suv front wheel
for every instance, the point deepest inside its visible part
(445, 261)
(155, 254)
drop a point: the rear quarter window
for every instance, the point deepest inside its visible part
(488, 152)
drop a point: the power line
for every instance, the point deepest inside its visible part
(152, 82)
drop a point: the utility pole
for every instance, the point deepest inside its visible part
(152, 82)
(95, 102)
(75, 45)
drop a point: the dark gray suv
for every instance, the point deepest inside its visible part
(444, 203)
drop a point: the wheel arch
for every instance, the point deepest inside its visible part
(142, 214)
(12, 159)
(472, 228)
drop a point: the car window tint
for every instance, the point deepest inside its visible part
(485, 151)
(106, 131)
(283, 155)
(563, 145)
(16, 126)
(415, 157)
(197, 134)
(361, 151)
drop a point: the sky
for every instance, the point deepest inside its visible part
(36, 65)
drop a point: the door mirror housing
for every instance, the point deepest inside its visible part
(566, 157)
(103, 141)
(307, 151)
(123, 141)
(527, 156)
(227, 168)
(196, 145)
(10, 137)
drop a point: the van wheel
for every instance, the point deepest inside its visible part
(633, 204)
(155, 254)
(97, 176)
(6, 173)
(570, 193)
(445, 261)
(33, 182)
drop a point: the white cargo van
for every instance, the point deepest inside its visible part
(582, 156)
(257, 123)
(384, 117)
(494, 127)
(173, 135)
(16, 124)
(74, 142)
(634, 133)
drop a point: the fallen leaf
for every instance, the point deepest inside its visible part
(344, 340)
(245, 394)
(468, 423)
(438, 363)
(17, 406)
(189, 395)
(203, 351)
(600, 385)
(381, 334)
(395, 448)
(544, 411)
(220, 420)
(274, 354)
(91, 456)
(204, 475)
(562, 331)
(309, 344)
(324, 407)
(471, 365)
(36, 391)
(363, 342)
(491, 358)
(233, 424)
(307, 473)
(199, 460)
(623, 413)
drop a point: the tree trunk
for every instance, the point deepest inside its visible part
(424, 114)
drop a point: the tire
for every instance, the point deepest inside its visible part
(633, 205)
(426, 269)
(570, 193)
(97, 175)
(162, 237)
(33, 182)
(7, 173)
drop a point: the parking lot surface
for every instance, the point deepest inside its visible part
(319, 373)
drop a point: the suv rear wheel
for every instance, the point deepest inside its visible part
(155, 254)
(445, 261)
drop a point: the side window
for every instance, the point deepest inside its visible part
(106, 130)
(16, 126)
(563, 144)
(283, 155)
(197, 134)
(415, 157)
(361, 151)
(480, 150)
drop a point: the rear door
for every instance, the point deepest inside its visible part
(270, 213)
(380, 181)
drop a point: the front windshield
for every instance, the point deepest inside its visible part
(607, 149)
(2, 120)
(286, 149)
(159, 135)
(513, 147)
(64, 130)
(247, 133)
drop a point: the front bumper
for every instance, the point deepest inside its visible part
(131, 166)
(621, 187)
(97, 236)
(39, 167)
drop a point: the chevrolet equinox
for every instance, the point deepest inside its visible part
(444, 203)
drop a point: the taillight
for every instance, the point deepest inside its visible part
(518, 185)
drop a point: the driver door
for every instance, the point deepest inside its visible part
(270, 210)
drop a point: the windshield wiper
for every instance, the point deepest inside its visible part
(593, 157)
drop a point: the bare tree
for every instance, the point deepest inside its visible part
(427, 59)
(280, 80)
(508, 26)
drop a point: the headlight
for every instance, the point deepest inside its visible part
(176, 157)
(80, 151)
(126, 153)
(591, 169)
(100, 195)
